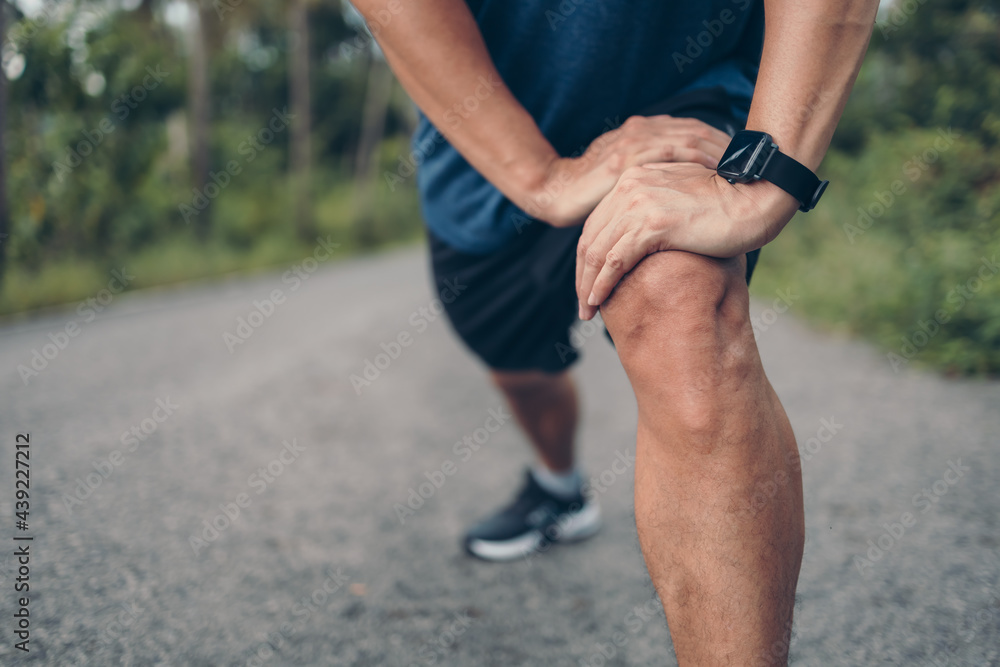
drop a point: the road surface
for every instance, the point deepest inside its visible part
(210, 493)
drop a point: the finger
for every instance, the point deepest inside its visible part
(663, 166)
(701, 137)
(708, 132)
(706, 145)
(594, 261)
(593, 226)
(715, 150)
(581, 247)
(674, 150)
(707, 159)
(703, 130)
(619, 260)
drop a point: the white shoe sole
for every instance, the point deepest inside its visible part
(570, 528)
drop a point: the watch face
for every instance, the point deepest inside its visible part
(739, 160)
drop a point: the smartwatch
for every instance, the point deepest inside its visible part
(754, 156)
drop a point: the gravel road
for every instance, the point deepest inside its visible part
(209, 493)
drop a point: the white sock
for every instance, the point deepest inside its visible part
(563, 485)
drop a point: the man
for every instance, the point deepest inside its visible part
(519, 88)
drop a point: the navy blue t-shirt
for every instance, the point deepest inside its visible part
(580, 67)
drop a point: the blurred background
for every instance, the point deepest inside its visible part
(106, 164)
(235, 463)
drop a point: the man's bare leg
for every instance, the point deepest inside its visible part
(549, 506)
(718, 491)
(545, 406)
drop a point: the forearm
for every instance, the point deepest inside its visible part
(813, 50)
(438, 54)
(812, 53)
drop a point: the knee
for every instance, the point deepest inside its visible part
(677, 298)
(681, 326)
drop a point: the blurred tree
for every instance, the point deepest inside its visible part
(377, 96)
(199, 109)
(124, 118)
(85, 129)
(931, 64)
(945, 63)
(301, 130)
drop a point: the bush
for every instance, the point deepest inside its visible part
(903, 249)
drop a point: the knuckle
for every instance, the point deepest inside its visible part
(632, 122)
(632, 175)
(638, 199)
(644, 195)
(614, 261)
(704, 131)
(593, 258)
(625, 187)
(642, 202)
(616, 161)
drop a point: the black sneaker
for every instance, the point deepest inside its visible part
(534, 518)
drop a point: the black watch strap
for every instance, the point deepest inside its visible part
(794, 178)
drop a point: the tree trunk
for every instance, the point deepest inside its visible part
(198, 106)
(377, 95)
(301, 145)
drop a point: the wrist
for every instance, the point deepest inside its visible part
(531, 181)
(543, 194)
(771, 200)
(754, 159)
(771, 206)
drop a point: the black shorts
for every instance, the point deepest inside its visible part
(517, 304)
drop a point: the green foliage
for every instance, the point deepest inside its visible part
(914, 268)
(98, 175)
(87, 173)
(931, 64)
(899, 249)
